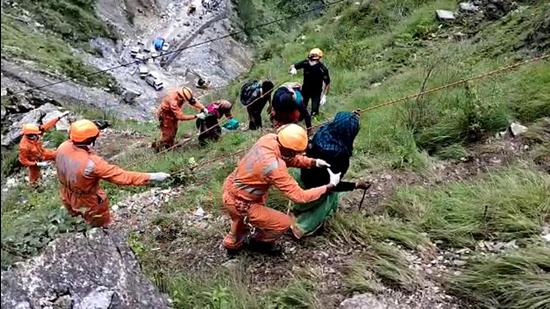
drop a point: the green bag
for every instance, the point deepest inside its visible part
(311, 216)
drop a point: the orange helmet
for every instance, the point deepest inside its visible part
(293, 137)
(185, 93)
(315, 53)
(225, 104)
(83, 130)
(30, 128)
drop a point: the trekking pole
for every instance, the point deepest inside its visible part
(362, 199)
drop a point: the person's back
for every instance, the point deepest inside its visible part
(254, 96)
(333, 143)
(74, 168)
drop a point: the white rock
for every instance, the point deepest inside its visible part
(445, 15)
(517, 129)
(468, 7)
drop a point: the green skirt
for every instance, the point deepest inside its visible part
(310, 216)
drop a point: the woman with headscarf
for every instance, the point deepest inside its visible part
(333, 143)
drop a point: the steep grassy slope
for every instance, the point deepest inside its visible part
(376, 51)
(47, 32)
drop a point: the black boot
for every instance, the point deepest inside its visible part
(268, 248)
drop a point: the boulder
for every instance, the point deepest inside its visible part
(444, 15)
(129, 95)
(92, 270)
(34, 116)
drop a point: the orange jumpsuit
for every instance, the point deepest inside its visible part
(79, 171)
(246, 190)
(169, 113)
(32, 152)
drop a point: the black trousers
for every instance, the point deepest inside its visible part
(315, 96)
(255, 114)
(209, 129)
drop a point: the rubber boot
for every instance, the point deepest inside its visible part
(268, 248)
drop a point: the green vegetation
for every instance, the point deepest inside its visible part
(376, 51)
(506, 205)
(67, 24)
(515, 279)
(49, 53)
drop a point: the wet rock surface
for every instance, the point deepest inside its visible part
(92, 270)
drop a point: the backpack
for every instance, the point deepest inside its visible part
(249, 90)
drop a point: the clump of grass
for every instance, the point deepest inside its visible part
(515, 279)
(505, 205)
(354, 227)
(382, 264)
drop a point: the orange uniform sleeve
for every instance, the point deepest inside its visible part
(197, 105)
(49, 154)
(49, 125)
(117, 175)
(300, 162)
(24, 157)
(176, 109)
(290, 188)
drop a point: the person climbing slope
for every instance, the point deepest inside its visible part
(254, 96)
(170, 112)
(79, 171)
(32, 153)
(209, 129)
(246, 189)
(316, 84)
(288, 107)
(333, 142)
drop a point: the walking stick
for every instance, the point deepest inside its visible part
(362, 199)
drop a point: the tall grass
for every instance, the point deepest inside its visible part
(515, 279)
(505, 205)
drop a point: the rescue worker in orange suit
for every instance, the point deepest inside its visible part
(32, 153)
(170, 112)
(246, 189)
(79, 171)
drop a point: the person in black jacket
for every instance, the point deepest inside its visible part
(333, 143)
(254, 96)
(288, 106)
(316, 82)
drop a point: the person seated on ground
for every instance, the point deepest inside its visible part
(245, 190)
(288, 106)
(209, 129)
(32, 153)
(254, 96)
(79, 171)
(333, 143)
(170, 112)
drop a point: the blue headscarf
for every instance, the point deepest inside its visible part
(336, 138)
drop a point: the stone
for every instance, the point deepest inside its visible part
(468, 7)
(368, 301)
(444, 15)
(517, 129)
(129, 95)
(3, 112)
(92, 270)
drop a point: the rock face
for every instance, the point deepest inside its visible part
(38, 116)
(96, 270)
